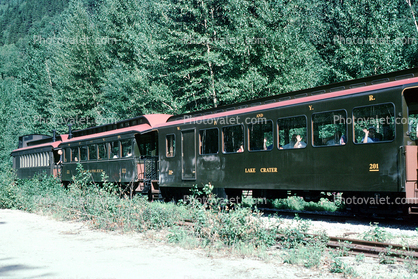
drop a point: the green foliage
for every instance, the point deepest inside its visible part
(338, 266)
(293, 236)
(386, 257)
(411, 265)
(360, 258)
(376, 233)
(298, 203)
(309, 255)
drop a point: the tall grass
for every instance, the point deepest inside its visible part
(103, 206)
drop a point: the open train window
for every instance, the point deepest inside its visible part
(147, 144)
(83, 153)
(102, 148)
(209, 141)
(74, 154)
(292, 132)
(126, 148)
(260, 135)
(170, 143)
(375, 121)
(67, 155)
(92, 152)
(330, 128)
(233, 139)
(114, 149)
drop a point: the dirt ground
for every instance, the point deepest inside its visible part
(34, 246)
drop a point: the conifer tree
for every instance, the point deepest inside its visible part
(132, 84)
(76, 70)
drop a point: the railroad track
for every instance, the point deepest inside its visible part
(356, 246)
(372, 248)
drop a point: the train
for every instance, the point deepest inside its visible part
(357, 137)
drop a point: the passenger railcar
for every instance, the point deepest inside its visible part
(125, 151)
(358, 137)
(37, 154)
(251, 146)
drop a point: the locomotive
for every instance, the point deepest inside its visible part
(358, 137)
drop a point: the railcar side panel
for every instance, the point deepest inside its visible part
(350, 167)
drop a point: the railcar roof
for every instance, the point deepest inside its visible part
(138, 128)
(150, 119)
(52, 144)
(286, 101)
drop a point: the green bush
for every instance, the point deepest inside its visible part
(299, 204)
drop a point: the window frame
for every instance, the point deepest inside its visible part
(122, 148)
(87, 152)
(372, 105)
(72, 155)
(313, 134)
(223, 139)
(110, 152)
(106, 146)
(306, 132)
(174, 145)
(200, 141)
(90, 146)
(249, 135)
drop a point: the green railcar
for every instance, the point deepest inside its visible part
(307, 142)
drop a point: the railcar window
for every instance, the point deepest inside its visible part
(209, 141)
(102, 151)
(377, 122)
(330, 128)
(114, 149)
(74, 154)
(92, 152)
(261, 135)
(67, 153)
(170, 145)
(126, 148)
(233, 138)
(147, 144)
(83, 153)
(292, 132)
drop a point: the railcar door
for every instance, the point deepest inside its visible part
(411, 149)
(188, 154)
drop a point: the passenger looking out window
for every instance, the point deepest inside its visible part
(295, 142)
(292, 132)
(375, 123)
(370, 135)
(329, 128)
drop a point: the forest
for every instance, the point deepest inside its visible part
(87, 63)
